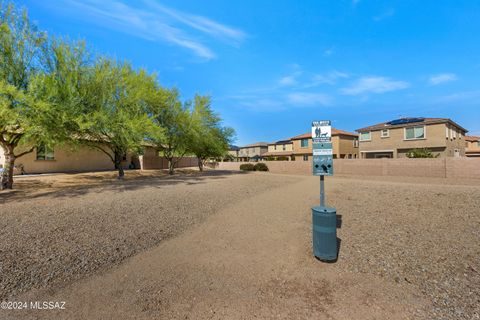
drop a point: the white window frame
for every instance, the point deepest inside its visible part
(385, 136)
(424, 133)
(369, 135)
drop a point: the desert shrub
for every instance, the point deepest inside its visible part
(247, 167)
(260, 167)
(421, 153)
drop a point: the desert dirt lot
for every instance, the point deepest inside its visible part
(225, 245)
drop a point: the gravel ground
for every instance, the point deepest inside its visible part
(59, 228)
(409, 247)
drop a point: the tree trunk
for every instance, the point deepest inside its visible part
(6, 179)
(171, 166)
(118, 165)
(200, 164)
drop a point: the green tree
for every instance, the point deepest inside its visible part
(174, 120)
(25, 121)
(113, 114)
(208, 139)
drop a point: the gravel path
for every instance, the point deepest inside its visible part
(408, 250)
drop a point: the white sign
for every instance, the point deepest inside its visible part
(321, 131)
(322, 152)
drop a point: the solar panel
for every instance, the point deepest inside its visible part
(405, 121)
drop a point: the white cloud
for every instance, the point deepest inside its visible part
(442, 78)
(287, 81)
(386, 14)
(374, 84)
(327, 78)
(308, 99)
(153, 22)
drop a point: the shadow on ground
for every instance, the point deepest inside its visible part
(78, 184)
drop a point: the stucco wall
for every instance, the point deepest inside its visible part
(440, 168)
(279, 147)
(68, 159)
(84, 159)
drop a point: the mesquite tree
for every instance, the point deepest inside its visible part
(113, 117)
(174, 119)
(24, 120)
(208, 139)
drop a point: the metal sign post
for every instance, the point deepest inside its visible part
(324, 219)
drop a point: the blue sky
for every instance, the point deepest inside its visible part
(274, 66)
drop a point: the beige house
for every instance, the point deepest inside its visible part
(344, 144)
(394, 139)
(280, 150)
(472, 145)
(232, 154)
(252, 152)
(66, 159)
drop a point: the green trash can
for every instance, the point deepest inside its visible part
(324, 225)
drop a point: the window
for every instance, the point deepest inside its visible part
(454, 134)
(45, 153)
(284, 147)
(275, 147)
(478, 143)
(415, 133)
(365, 136)
(304, 143)
(385, 133)
(355, 143)
(305, 157)
(446, 132)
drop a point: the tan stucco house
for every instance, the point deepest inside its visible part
(344, 144)
(66, 158)
(252, 152)
(232, 153)
(472, 144)
(394, 139)
(279, 150)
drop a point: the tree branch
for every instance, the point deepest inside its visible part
(103, 150)
(25, 152)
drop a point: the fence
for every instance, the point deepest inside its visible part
(149, 162)
(439, 168)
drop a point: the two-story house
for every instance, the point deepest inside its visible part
(252, 152)
(472, 145)
(279, 150)
(394, 139)
(344, 145)
(232, 153)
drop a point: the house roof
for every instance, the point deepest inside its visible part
(280, 142)
(472, 138)
(256, 144)
(335, 132)
(406, 122)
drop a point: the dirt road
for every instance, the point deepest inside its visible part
(252, 259)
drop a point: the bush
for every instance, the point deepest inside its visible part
(247, 167)
(260, 167)
(421, 153)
